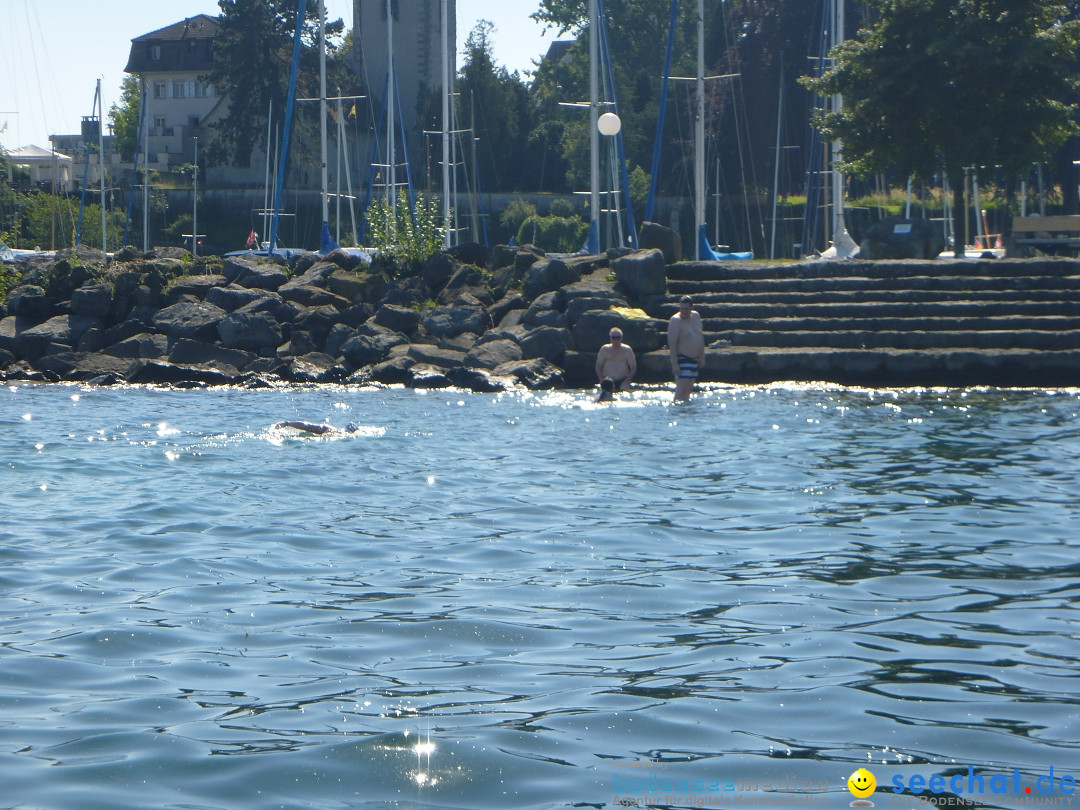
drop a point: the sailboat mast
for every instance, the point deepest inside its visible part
(842, 241)
(101, 163)
(699, 134)
(391, 162)
(594, 134)
(322, 111)
(446, 90)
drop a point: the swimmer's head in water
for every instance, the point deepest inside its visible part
(352, 427)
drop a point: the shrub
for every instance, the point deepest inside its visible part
(404, 236)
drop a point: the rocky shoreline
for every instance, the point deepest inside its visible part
(470, 318)
(513, 317)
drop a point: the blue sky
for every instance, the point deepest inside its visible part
(54, 51)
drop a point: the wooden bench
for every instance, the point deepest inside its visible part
(1053, 234)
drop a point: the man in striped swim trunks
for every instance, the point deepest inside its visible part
(686, 341)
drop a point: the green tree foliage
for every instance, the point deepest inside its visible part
(941, 85)
(496, 102)
(124, 117)
(253, 58)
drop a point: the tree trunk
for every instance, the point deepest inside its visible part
(958, 214)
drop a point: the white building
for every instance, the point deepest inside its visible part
(173, 62)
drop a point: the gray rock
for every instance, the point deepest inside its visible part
(397, 318)
(492, 354)
(192, 352)
(509, 302)
(317, 321)
(536, 375)
(250, 331)
(339, 334)
(197, 321)
(139, 346)
(260, 275)
(479, 380)
(548, 342)
(437, 270)
(59, 333)
(436, 356)
(83, 366)
(94, 300)
(547, 275)
(642, 334)
(195, 286)
(367, 350)
(450, 321)
(29, 301)
(424, 376)
(312, 368)
(397, 370)
(160, 372)
(642, 274)
(284, 311)
(310, 296)
(576, 306)
(233, 297)
(654, 235)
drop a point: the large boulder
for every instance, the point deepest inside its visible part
(536, 375)
(187, 319)
(30, 301)
(138, 346)
(666, 240)
(194, 286)
(493, 353)
(548, 275)
(640, 332)
(447, 322)
(549, 342)
(250, 331)
(60, 333)
(642, 274)
(895, 238)
(233, 297)
(192, 352)
(398, 318)
(367, 350)
(93, 300)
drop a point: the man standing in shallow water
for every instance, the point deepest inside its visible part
(686, 340)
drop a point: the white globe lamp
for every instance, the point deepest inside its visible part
(609, 124)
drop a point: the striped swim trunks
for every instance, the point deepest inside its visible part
(688, 368)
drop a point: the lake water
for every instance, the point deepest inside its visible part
(531, 601)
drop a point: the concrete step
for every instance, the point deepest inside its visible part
(868, 367)
(1011, 268)
(702, 291)
(1044, 323)
(915, 297)
(860, 339)
(864, 307)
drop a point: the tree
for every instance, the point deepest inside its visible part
(942, 85)
(253, 59)
(124, 117)
(498, 100)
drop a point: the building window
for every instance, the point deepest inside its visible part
(159, 90)
(155, 53)
(159, 122)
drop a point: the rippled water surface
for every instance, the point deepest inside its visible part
(532, 601)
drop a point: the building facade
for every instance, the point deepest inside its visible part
(173, 63)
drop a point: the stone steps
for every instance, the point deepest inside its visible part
(904, 323)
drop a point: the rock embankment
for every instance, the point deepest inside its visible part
(516, 317)
(463, 318)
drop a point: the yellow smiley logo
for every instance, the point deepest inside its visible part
(862, 783)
